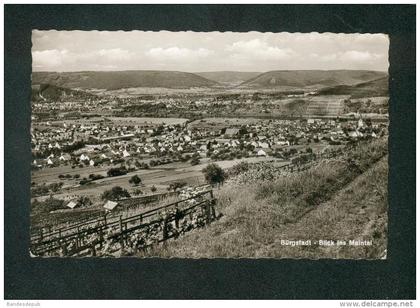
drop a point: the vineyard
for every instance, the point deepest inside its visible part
(330, 107)
(115, 236)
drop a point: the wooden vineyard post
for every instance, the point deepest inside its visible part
(165, 230)
(105, 219)
(213, 210)
(177, 216)
(207, 211)
(64, 248)
(121, 233)
(101, 237)
(93, 250)
(78, 237)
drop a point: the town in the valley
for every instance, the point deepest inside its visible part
(123, 160)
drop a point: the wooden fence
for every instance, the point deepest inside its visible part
(149, 227)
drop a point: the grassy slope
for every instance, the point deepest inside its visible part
(378, 87)
(339, 199)
(53, 92)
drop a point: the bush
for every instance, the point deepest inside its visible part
(84, 181)
(137, 192)
(84, 201)
(39, 190)
(135, 180)
(44, 189)
(94, 177)
(176, 185)
(116, 193)
(239, 168)
(117, 171)
(46, 206)
(214, 174)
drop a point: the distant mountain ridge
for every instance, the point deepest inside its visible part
(311, 78)
(113, 80)
(229, 77)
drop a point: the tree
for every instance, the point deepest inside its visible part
(117, 171)
(135, 180)
(153, 188)
(116, 193)
(84, 201)
(214, 174)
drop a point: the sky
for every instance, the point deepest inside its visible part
(63, 51)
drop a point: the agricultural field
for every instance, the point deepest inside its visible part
(146, 121)
(160, 177)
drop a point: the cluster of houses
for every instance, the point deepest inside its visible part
(91, 143)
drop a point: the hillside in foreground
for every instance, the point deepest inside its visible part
(113, 80)
(311, 78)
(338, 199)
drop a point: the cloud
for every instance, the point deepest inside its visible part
(116, 54)
(52, 59)
(359, 56)
(48, 58)
(257, 48)
(176, 53)
(324, 58)
(206, 51)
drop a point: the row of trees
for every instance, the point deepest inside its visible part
(213, 174)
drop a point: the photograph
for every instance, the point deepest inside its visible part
(209, 145)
